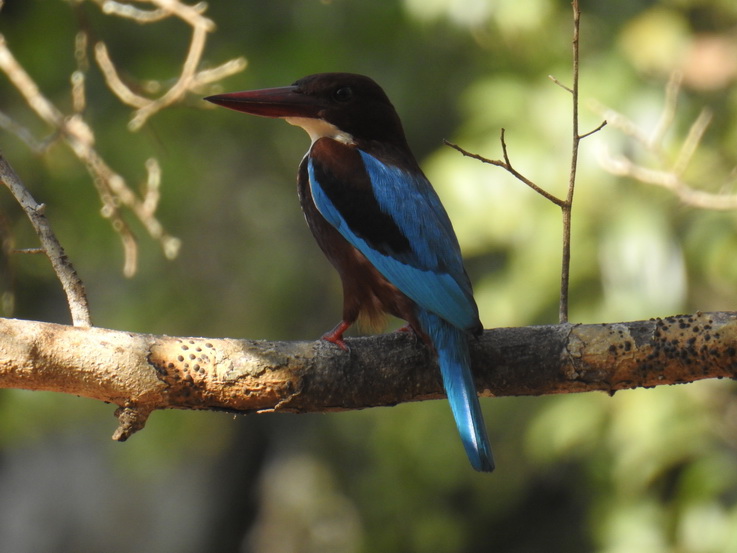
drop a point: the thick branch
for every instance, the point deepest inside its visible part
(141, 372)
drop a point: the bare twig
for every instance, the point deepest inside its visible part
(124, 94)
(127, 11)
(507, 166)
(567, 209)
(566, 204)
(594, 131)
(64, 269)
(560, 84)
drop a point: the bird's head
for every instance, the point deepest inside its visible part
(344, 106)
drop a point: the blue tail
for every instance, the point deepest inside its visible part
(451, 345)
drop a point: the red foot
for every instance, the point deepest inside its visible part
(336, 335)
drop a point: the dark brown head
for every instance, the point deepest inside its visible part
(345, 106)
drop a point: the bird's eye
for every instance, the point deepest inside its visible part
(343, 94)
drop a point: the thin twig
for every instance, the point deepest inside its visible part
(181, 87)
(507, 166)
(596, 130)
(691, 144)
(36, 146)
(127, 11)
(70, 281)
(567, 209)
(566, 204)
(560, 84)
(668, 115)
(114, 82)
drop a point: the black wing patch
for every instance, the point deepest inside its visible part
(342, 175)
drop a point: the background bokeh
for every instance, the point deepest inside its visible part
(645, 471)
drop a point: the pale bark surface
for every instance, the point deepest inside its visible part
(141, 373)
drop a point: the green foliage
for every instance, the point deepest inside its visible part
(644, 471)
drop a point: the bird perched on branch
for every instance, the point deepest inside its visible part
(382, 226)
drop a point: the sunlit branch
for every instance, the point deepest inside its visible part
(142, 373)
(667, 115)
(79, 136)
(115, 193)
(189, 78)
(692, 141)
(124, 93)
(623, 166)
(669, 173)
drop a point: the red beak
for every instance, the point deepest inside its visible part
(284, 101)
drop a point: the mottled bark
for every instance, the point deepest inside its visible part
(142, 372)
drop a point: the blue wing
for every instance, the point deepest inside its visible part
(394, 218)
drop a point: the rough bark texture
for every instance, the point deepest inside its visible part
(141, 372)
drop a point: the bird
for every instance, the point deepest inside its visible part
(380, 223)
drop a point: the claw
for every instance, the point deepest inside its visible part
(408, 329)
(336, 335)
(412, 331)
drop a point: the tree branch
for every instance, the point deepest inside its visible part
(143, 372)
(65, 272)
(76, 132)
(667, 172)
(507, 166)
(567, 208)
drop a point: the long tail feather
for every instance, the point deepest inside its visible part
(451, 345)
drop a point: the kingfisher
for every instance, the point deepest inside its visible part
(381, 224)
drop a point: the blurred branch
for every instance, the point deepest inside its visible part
(70, 281)
(669, 172)
(189, 79)
(142, 373)
(72, 129)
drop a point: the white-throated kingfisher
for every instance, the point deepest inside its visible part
(380, 223)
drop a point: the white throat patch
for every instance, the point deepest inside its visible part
(319, 128)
